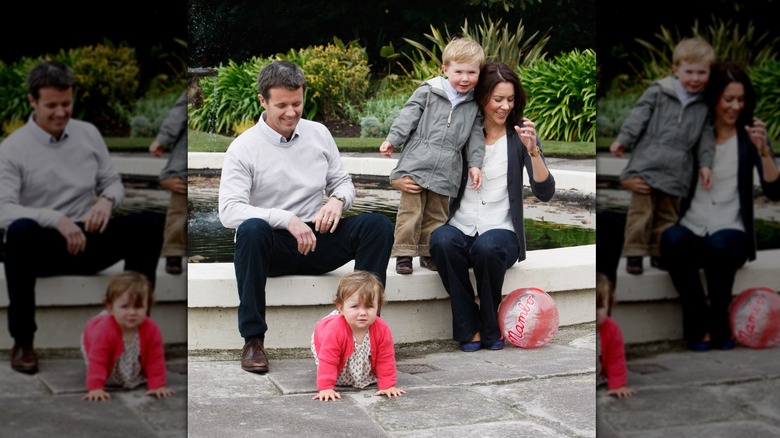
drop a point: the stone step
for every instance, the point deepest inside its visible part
(648, 308)
(418, 307)
(65, 303)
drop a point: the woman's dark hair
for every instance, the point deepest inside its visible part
(721, 75)
(491, 75)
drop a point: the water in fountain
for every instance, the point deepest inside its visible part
(566, 220)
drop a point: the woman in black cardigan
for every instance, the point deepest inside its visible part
(716, 230)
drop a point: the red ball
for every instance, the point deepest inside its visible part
(528, 317)
(754, 316)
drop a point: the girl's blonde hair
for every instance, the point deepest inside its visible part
(134, 283)
(364, 283)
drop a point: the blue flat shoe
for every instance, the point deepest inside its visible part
(498, 345)
(700, 346)
(728, 345)
(470, 346)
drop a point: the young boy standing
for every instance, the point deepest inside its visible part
(667, 126)
(436, 123)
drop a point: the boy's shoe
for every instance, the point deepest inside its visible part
(634, 265)
(173, 265)
(470, 346)
(658, 263)
(403, 265)
(498, 345)
(427, 262)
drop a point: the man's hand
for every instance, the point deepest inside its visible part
(406, 184)
(328, 217)
(637, 184)
(74, 237)
(96, 219)
(307, 241)
(175, 184)
(156, 148)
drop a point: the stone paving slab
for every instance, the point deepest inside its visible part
(710, 394)
(288, 416)
(69, 415)
(565, 403)
(50, 403)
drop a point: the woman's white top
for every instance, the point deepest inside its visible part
(487, 208)
(717, 208)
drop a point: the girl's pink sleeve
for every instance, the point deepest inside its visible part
(154, 357)
(385, 361)
(613, 355)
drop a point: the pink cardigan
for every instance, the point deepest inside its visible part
(334, 344)
(103, 344)
(613, 355)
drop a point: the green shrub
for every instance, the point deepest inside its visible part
(766, 77)
(611, 110)
(562, 96)
(230, 98)
(378, 114)
(336, 76)
(106, 82)
(148, 114)
(499, 43)
(13, 90)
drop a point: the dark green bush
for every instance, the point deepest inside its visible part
(766, 79)
(562, 96)
(230, 98)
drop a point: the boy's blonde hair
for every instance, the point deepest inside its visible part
(693, 50)
(136, 284)
(364, 283)
(463, 50)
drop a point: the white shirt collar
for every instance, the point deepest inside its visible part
(275, 136)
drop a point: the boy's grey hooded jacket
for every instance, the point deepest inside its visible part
(433, 133)
(669, 138)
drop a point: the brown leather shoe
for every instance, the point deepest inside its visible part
(634, 265)
(427, 262)
(24, 359)
(403, 265)
(253, 357)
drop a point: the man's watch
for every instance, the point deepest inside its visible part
(341, 198)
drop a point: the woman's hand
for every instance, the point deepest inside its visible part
(406, 184)
(757, 134)
(527, 134)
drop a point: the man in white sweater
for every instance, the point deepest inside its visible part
(284, 189)
(58, 190)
